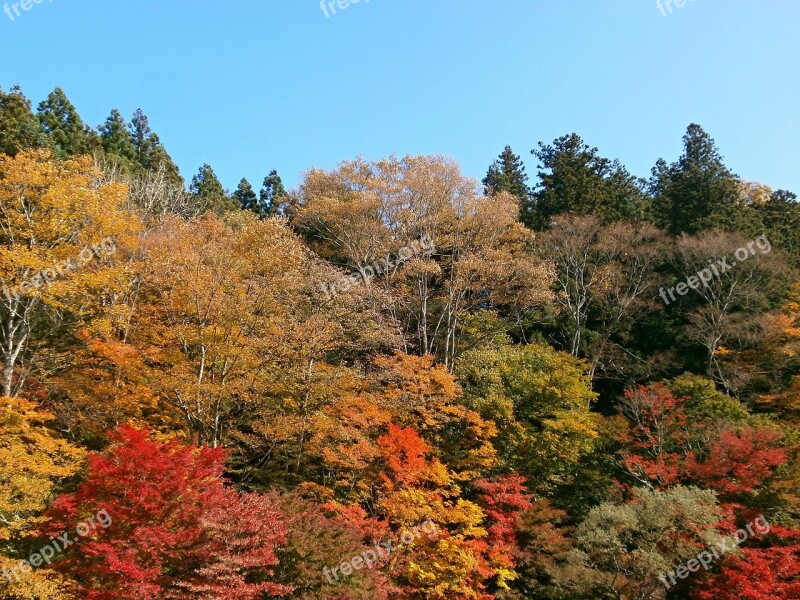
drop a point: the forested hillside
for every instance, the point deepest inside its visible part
(392, 381)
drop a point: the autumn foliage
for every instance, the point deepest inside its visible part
(759, 573)
(495, 419)
(177, 530)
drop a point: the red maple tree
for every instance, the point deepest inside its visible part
(737, 462)
(176, 530)
(657, 450)
(758, 573)
(503, 500)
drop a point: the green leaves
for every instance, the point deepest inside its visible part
(540, 400)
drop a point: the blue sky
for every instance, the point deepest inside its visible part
(252, 85)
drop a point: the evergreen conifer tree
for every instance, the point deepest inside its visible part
(246, 196)
(115, 138)
(64, 126)
(19, 127)
(698, 191)
(507, 174)
(209, 192)
(273, 195)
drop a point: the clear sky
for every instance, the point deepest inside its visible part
(251, 85)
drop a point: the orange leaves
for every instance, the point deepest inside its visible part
(414, 486)
(412, 380)
(425, 396)
(104, 385)
(345, 438)
(419, 403)
(348, 432)
(225, 321)
(404, 452)
(782, 349)
(463, 556)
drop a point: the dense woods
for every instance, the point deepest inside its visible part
(392, 381)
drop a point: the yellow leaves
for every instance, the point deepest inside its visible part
(753, 193)
(225, 313)
(426, 396)
(540, 400)
(411, 378)
(362, 211)
(50, 211)
(786, 485)
(39, 585)
(790, 321)
(465, 518)
(409, 506)
(446, 570)
(61, 231)
(32, 461)
(416, 489)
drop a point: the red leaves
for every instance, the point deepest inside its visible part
(656, 435)
(737, 461)
(758, 574)
(177, 531)
(243, 534)
(503, 500)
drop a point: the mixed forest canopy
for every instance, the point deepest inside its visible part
(584, 382)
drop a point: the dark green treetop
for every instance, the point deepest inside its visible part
(272, 196)
(19, 127)
(209, 192)
(780, 216)
(507, 174)
(63, 125)
(142, 138)
(697, 191)
(159, 159)
(115, 138)
(574, 178)
(246, 196)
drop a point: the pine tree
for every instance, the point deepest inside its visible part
(63, 125)
(273, 195)
(115, 137)
(780, 216)
(137, 147)
(507, 174)
(207, 189)
(159, 159)
(142, 138)
(150, 153)
(19, 127)
(574, 178)
(698, 191)
(246, 196)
